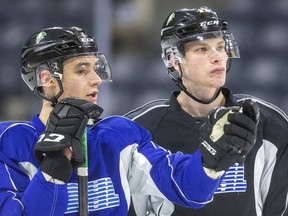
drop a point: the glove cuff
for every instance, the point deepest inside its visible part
(213, 174)
(58, 166)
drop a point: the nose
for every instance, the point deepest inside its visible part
(94, 79)
(216, 57)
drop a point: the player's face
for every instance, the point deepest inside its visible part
(204, 64)
(80, 79)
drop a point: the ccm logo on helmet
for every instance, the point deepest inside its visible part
(86, 41)
(209, 23)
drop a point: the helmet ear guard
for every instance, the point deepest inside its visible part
(44, 76)
(171, 56)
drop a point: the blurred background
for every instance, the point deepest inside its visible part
(128, 32)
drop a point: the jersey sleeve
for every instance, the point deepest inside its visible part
(270, 169)
(273, 187)
(155, 171)
(23, 188)
(21, 196)
(176, 177)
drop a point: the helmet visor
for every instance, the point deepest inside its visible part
(101, 67)
(231, 46)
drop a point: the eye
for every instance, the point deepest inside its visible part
(201, 49)
(220, 47)
(81, 71)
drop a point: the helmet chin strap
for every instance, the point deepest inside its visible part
(53, 99)
(181, 86)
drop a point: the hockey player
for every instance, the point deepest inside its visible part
(37, 162)
(197, 49)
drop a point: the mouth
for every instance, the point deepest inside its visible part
(92, 96)
(219, 70)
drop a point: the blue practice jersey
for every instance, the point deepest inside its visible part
(122, 161)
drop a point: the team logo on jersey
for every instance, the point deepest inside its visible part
(101, 195)
(233, 180)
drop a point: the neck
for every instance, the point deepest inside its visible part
(197, 109)
(45, 111)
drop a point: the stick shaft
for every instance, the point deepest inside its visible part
(82, 173)
(83, 195)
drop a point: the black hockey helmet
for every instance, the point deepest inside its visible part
(48, 49)
(185, 25)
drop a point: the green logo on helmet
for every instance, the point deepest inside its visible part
(40, 36)
(171, 17)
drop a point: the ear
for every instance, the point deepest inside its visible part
(174, 61)
(48, 83)
(46, 78)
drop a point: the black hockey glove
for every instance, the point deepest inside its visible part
(228, 135)
(64, 129)
(250, 109)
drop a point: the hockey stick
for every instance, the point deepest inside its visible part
(82, 173)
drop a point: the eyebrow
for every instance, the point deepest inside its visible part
(81, 64)
(205, 43)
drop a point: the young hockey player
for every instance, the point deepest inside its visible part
(197, 49)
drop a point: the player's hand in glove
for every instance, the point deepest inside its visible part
(251, 110)
(228, 135)
(65, 127)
